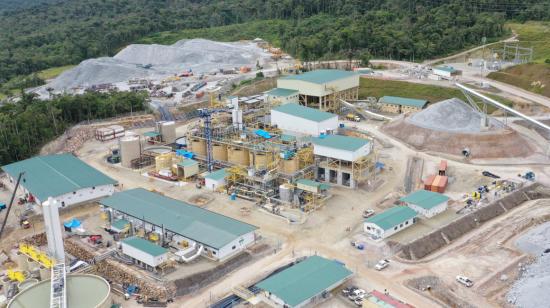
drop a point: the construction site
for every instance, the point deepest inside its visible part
(302, 195)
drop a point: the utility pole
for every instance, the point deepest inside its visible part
(483, 41)
(11, 203)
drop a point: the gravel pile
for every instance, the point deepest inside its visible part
(531, 290)
(452, 115)
(198, 54)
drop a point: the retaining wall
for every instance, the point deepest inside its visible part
(443, 236)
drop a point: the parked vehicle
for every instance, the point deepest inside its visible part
(353, 117)
(382, 264)
(2, 206)
(368, 213)
(464, 280)
(355, 294)
(346, 291)
(491, 175)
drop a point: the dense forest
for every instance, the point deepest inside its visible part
(59, 32)
(30, 123)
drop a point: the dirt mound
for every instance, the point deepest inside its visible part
(499, 143)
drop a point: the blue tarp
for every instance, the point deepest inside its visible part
(74, 223)
(379, 165)
(185, 154)
(262, 133)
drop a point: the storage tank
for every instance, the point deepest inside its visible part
(83, 291)
(198, 146)
(26, 284)
(286, 192)
(168, 131)
(130, 148)
(259, 161)
(219, 151)
(238, 155)
(290, 165)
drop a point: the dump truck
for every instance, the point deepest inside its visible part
(353, 117)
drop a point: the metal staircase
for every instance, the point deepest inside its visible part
(58, 292)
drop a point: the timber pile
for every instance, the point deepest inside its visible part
(36, 240)
(76, 138)
(78, 250)
(122, 274)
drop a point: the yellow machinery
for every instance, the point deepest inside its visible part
(305, 157)
(16, 275)
(36, 255)
(214, 102)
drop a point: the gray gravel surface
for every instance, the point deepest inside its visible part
(532, 289)
(199, 55)
(452, 115)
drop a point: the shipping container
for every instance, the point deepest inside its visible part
(435, 183)
(442, 184)
(428, 182)
(443, 167)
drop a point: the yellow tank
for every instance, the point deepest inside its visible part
(219, 151)
(198, 146)
(238, 155)
(290, 165)
(154, 237)
(260, 161)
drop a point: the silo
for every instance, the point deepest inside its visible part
(168, 131)
(238, 155)
(83, 291)
(286, 192)
(130, 149)
(198, 146)
(259, 160)
(290, 165)
(219, 151)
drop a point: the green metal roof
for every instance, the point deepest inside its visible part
(346, 143)
(151, 134)
(200, 225)
(217, 175)
(188, 163)
(321, 76)
(305, 280)
(446, 68)
(145, 246)
(305, 112)
(55, 175)
(120, 224)
(287, 138)
(425, 199)
(312, 183)
(280, 92)
(392, 217)
(403, 101)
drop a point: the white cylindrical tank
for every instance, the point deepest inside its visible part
(130, 149)
(83, 291)
(168, 131)
(21, 261)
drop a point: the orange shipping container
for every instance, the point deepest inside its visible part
(443, 167)
(435, 184)
(428, 182)
(442, 184)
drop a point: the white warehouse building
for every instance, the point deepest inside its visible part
(145, 252)
(389, 222)
(299, 120)
(426, 203)
(194, 230)
(322, 88)
(64, 177)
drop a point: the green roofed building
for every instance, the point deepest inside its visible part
(426, 203)
(304, 283)
(63, 177)
(215, 179)
(338, 159)
(282, 96)
(320, 87)
(389, 222)
(144, 251)
(184, 224)
(396, 104)
(298, 120)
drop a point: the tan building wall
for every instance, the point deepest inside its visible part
(405, 109)
(389, 108)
